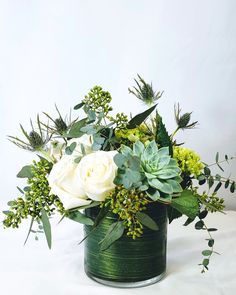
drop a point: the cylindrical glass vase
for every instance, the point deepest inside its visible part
(127, 263)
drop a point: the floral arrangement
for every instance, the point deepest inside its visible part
(117, 164)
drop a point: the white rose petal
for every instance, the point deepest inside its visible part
(63, 180)
(96, 174)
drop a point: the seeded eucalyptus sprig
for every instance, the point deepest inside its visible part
(145, 92)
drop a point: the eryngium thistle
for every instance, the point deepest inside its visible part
(145, 92)
(35, 140)
(60, 125)
(183, 121)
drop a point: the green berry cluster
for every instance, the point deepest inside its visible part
(36, 197)
(126, 203)
(98, 100)
(212, 202)
(121, 120)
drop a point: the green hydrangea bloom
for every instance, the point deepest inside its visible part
(188, 161)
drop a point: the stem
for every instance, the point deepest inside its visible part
(231, 158)
(174, 133)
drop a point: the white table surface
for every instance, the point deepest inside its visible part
(34, 270)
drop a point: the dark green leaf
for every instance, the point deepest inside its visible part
(226, 158)
(20, 190)
(232, 187)
(186, 203)
(217, 187)
(211, 243)
(173, 213)
(201, 182)
(78, 106)
(199, 224)
(102, 214)
(201, 177)
(147, 221)
(218, 177)
(188, 221)
(227, 183)
(26, 172)
(6, 212)
(115, 231)
(220, 167)
(205, 262)
(212, 229)
(138, 119)
(210, 181)
(162, 136)
(206, 252)
(203, 214)
(46, 227)
(207, 171)
(79, 217)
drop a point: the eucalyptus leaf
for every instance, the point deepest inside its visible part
(26, 172)
(46, 227)
(79, 106)
(114, 232)
(206, 252)
(147, 220)
(69, 149)
(79, 217)
(75, 130)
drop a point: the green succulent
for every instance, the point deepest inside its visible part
(149, 169)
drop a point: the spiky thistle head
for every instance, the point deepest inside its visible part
(35, 140)
(145, 92)
(183, 121)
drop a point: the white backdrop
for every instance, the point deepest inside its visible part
(55, 51)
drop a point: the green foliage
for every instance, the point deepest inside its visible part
(161, 135)
(114, 232)
(127, 204)
(147, 220)
(79, 217)
(36, 197)
(69, 149)
(173, 213)
(75, 129)
(25, 172)
(46, 227)
(186, 203)
(140, 118)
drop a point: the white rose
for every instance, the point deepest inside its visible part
(85, 140)
(64, 182)
(96, 173)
